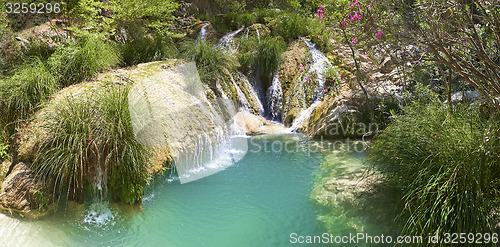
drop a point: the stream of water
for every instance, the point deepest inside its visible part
(259, 201)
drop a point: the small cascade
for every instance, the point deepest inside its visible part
(319, 64)
(275, 99)
(227, 42)
(298, 123)
(203, 32)
(176, 113)
(253, 95)
(258, 34)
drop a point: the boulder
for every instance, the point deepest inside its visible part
(348, 115)
(20, 190)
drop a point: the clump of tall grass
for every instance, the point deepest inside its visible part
(23, 93)
(268, 57)
(146, 49)
(446, 164)
(83, 59)
(211, 60)
(89, 134)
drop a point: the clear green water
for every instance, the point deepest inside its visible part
(258, 201)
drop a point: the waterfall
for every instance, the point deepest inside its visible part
(319, 64)
(258, 34)
(298, 123)
(171, 109)
(275, 99)
(203, 32)
(253, 95)
(227, 42)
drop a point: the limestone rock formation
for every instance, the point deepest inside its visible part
(289, 74)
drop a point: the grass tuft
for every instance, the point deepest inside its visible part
(446, 164)
(83, 59)
(90, 134)
(23, 93)
(268, 57)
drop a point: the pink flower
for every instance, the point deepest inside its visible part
(341, 76)
(356, 16)
(354, 40)
(321, 12)
(301, 67)
(325, 90)
(391, 14)
(308, 79)
(367, 53)
(319, 36)
(343, 23)
(379, 34)
(355, 3)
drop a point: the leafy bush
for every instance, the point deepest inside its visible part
(446, 164)
(87, 134)
(83, 59)
(268, 57)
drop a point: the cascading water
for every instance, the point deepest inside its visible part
(253, 95)
(203, 32)
(227, 42)
(172, 108)
(275, 99)
(318, 66)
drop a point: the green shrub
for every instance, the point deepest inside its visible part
(446, 164)
(146, 49)
(21, 95)
(268, 57)
(90, 133)
(83, 59)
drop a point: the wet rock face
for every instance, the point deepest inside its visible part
(19, 189)
(210, 32)
(289, 74)
(346, 115)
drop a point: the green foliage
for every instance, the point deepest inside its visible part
(446, 164)
(84, 59)
(22, 94)
(4, 150)
(41, 199)
(104, 18)
(211, 61)
(147, 48)
(89, 133)
(246, 54)
(269, 55)
(38, 48)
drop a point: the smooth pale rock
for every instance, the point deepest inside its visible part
(248, 122)
(254, 125)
